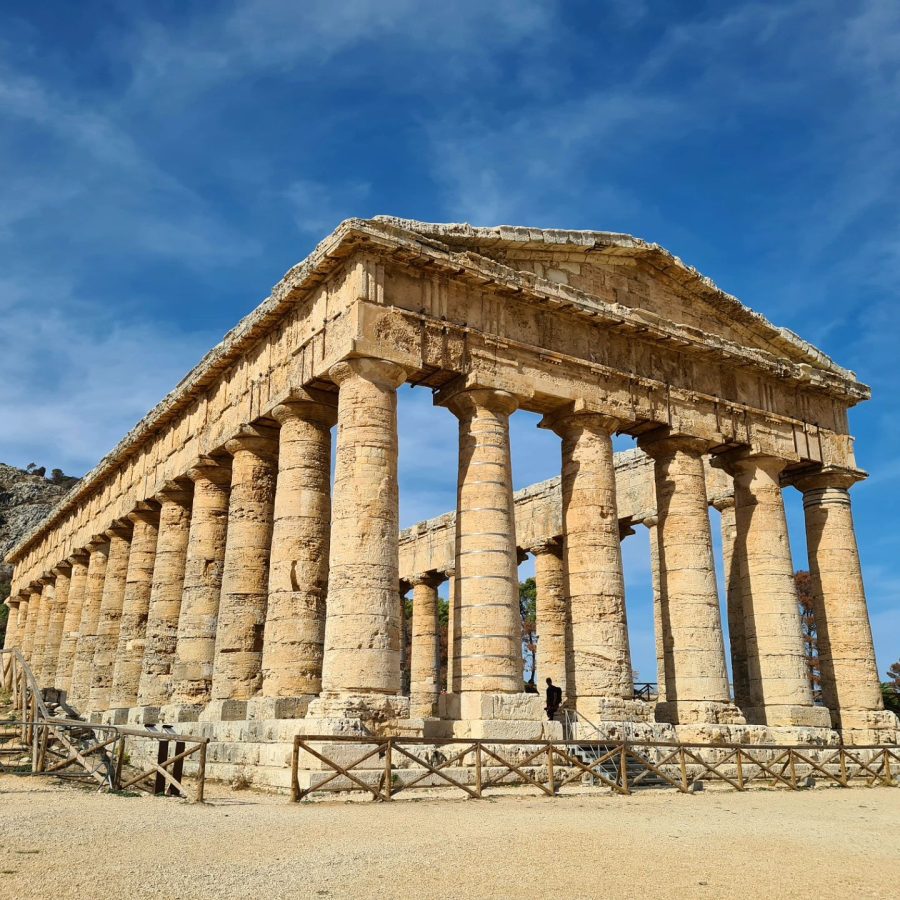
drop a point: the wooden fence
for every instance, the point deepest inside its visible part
(60, 746)
(386, 766)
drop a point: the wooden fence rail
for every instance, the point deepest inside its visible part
(385, 766)
(97, 752)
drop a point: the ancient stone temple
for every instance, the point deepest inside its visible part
(207, 571)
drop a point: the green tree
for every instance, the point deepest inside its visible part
(804, 583)
(890, 689)
(528, 613)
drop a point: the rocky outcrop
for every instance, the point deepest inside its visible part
(25, 498)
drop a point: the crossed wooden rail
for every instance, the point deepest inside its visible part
(550, 766)
(60, 746)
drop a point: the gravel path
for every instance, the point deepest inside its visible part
(59, 841)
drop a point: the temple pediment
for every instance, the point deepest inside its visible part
(627, 274)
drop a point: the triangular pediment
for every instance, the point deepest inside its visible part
(624, 271)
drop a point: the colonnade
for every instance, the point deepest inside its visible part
(248, 581)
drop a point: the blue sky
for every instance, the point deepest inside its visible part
(163, 164)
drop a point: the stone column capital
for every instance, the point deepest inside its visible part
(650, 521)
(430, 579)
(120, 530)
(552, 545)
(573, 418)
(721, 503)
(149, 514)
(381, 372)
(63, 569)
(258, 439)
(825, 478)
(626, 528)
(79, 557)
(745, 461)
(46, 580)
(177, 491)
(207, 468)
(664, 442)
(308, 410)
(464, 404)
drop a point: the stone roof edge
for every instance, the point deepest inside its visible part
(586, 241)
(299, 279)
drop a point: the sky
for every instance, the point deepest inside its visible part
(163, 164)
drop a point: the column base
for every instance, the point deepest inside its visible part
(868, 726)
(143, 715)
(790, 716)
(614, 709)
(176, 713)
(279, 707)
(368, 708)
(118, 716)
(694, 712)
(224, 711)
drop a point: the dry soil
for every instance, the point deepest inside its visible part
(61, 841)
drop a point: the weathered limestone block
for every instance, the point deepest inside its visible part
(734, 603)
(298, 567)
(425, 664)
(850, 684)
(80, 687)
(135, 608)
(693, 645)
(39, 641)
(487, 584)
(77, 584)
(237, 663)
(599, 676)
(553, 627)
(778, 684)
(62, 574)
(362, 627)
(107, 641)
(192, 669)
(165, 594)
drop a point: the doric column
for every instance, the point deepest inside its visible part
(39, 641)
(487, 583)
(165, 595)
(80, 686)
(110, 614)
(553, 628)
(135, 606)
(32, 614)
(63, 574)
(850, 683)
(77, 585)
(734, 603)
(362, 626)
(12, 623)
(298, 567)
(600, 679)
(778, 683)
(192, 670)
(24, 605)
(237, 664)
(693, 644)
(425, 663)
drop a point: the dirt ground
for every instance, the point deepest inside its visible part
(61, 841)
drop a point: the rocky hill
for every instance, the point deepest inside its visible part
(26, 496)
